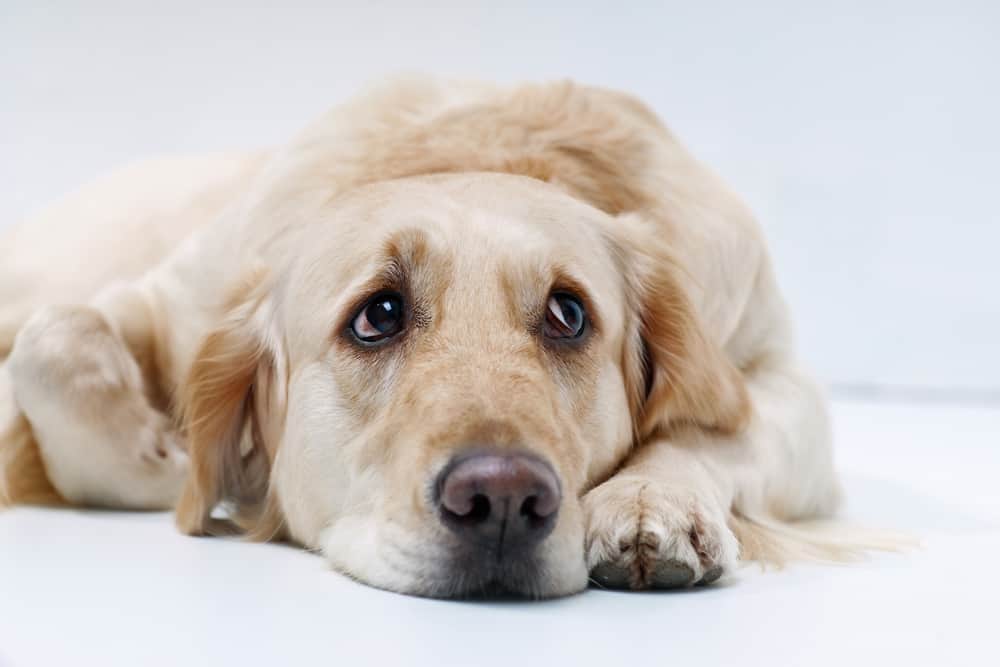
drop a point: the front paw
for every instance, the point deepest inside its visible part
(646, 535)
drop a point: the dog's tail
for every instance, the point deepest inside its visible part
(774, 543)
(23, 480)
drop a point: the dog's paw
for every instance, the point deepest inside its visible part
(643, 535)
(160, 447)
(159, 464)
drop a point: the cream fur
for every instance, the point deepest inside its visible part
(189, 314)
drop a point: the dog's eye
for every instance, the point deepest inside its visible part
(379, 319)
(564, 317)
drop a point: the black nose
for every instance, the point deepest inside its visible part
(502, 502)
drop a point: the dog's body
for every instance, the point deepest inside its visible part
(195, 308)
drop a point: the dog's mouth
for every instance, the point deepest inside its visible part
(469, 577)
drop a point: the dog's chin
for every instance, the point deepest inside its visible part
(466, 573)
(466, 578)
(396, 561)
(474, 577)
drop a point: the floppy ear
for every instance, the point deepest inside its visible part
(233, 405)
(676, 372)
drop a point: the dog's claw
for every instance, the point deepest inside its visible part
(611, 575)
(711, 576)
(671, 574)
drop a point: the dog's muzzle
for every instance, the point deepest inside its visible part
(500, 506)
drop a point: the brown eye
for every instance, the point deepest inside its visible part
(564, 317)
(381, 318)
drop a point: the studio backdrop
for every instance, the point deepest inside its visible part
(863, 134)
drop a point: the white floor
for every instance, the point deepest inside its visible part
(89, 588)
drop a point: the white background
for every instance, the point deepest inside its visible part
(864, 134)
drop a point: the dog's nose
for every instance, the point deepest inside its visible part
(502, 501)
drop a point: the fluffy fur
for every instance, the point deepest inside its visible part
(180, 341)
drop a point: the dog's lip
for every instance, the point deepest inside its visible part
(468, 577)
(496, 589)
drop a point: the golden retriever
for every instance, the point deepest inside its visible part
(459, 338)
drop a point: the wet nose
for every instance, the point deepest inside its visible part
(506, 502)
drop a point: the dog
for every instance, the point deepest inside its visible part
(460, 338)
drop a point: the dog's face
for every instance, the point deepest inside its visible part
(435, 375)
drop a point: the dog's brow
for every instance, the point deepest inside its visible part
(402, 253)
(406, 249)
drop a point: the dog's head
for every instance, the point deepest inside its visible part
(436, 373)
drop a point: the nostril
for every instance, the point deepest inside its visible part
(478, 512)
(537, 509)
(529, 511)
(480, 509)
(528, 507)
(465, 506)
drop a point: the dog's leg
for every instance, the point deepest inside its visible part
(662, 520)
(82, 376)
(23, 480)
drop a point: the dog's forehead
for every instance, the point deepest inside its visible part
(474, 222)
(490, 205)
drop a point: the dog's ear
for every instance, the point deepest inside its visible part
(676, 373)
(233, 406)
